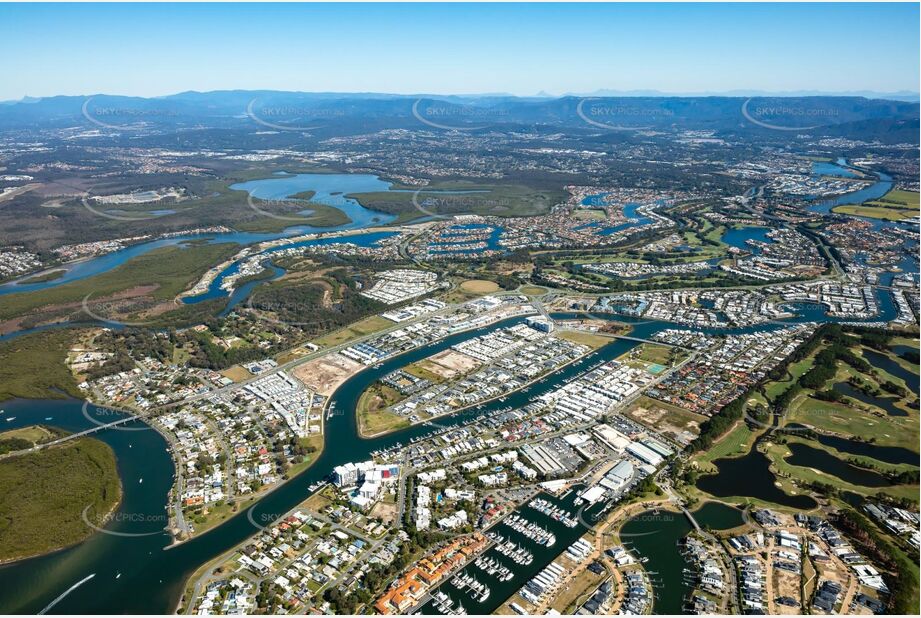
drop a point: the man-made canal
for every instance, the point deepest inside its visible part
(655, 535)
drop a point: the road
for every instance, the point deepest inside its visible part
(73, 436)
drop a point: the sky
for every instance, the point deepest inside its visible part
(522, 49)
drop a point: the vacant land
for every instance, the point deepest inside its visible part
(44, 277)
(33, 433)
(677, 423)
(482, 199)
(43, 496)
(590, 214)
(236, 373)
(364, 327)
(26, 437)
(657, 354)
(479, 286)
(445, 365)
(592, 340)
(373, 416)
(875, 212)
(324, 375)
(894, 206)
(899, 198)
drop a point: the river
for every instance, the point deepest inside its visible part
(330, 189)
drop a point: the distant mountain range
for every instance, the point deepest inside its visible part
(339, 113)
(902, 95)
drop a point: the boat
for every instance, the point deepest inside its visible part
(12, 418)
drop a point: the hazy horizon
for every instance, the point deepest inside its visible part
(686, 49)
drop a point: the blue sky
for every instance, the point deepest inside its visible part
(159, 49)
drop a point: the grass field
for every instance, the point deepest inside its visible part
(734, 444)
(533, 290)
(33, 366)
(797, 369)
(373, 418)
(168, 270)
(900, 199)
(651, 353)
(423, 369)
(236, 373)
(361, 328)
(33, 433)
(589, 214)
(875, 212)
(43, 496)
(894, 206)
(592, 340)
(479, 286)
(777, 453)
(849, 420)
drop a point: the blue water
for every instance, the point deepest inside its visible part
(872, 192)
(597, 200)
(330, 190)
(737, 237)
(214, 290)
(447, 247)
(820, 168)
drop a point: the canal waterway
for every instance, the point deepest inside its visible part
(655, 536)
(542, 556)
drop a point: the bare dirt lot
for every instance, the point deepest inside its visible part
(324, 375)
(679, 424)
(450, 363)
